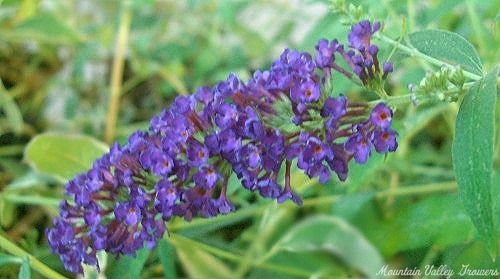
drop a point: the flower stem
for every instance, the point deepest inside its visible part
(422, 97)
(400, 191)
(117, 73)
(31, 200)
(415, 53)
(430, 188)
(37, 265)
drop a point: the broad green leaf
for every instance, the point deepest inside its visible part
(349, 207)
(449, 47)
(472, 153)
(360, 174)
(128, 267)
(457, 257)
(61, 155)
(334, 235)
(291, 265)
(46, 28)
(436, 220)
(25, 271)
(197, 263)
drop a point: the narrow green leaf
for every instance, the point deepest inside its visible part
(61, 155)
(7, 212)
(334, 235)
(473, 155)
(28, 181)
(8, 259)
(449, 47)
(128, 267)
(495, 195)
(166, 253)
(197, 263)
(25, 271)
(12, 113)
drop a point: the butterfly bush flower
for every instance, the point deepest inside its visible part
(254, 129)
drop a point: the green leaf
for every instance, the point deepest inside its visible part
(128, 267)
(46, 28)
(25, 271)
(8, 259)
(472, 153)
(197, 263)
(62, 155)
(12, 113)
(495, 195)
(166, 253)
(291, 265)
(458, 256)
(334, 235)
(449, 47)
(7, 212)
(28, 181)
(436, 220)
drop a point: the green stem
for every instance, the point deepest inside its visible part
(233, 217)
(37, 265)
(400, 191)
(419, 190)
(415, 53)
(11, 150)
(265, 232)
(117, 73)
(32, 200)
(422, 97)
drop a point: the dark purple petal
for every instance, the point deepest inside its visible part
(385, 141)
(197, 154)
(334, 107)
(305, 92)
(360, 147)
(381, 116)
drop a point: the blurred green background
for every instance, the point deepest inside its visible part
(56, 60)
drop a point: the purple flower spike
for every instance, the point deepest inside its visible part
(181, 165)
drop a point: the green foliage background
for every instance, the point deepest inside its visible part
(403, 210)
